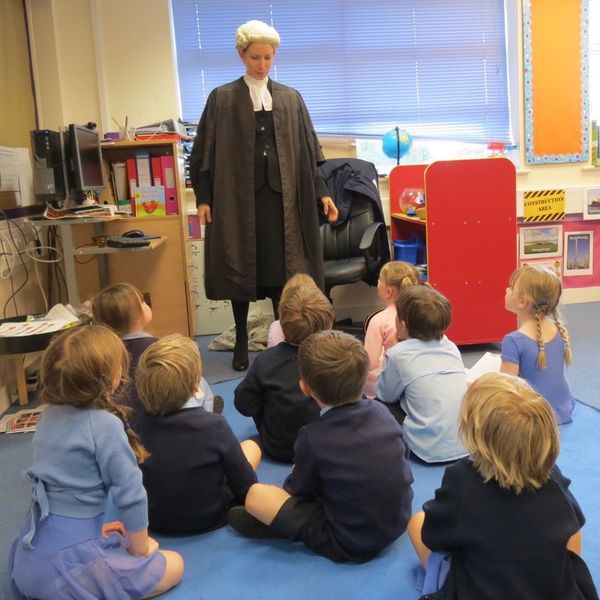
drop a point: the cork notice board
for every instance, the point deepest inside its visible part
(555, 80)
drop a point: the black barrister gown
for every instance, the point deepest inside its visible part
(223, 169)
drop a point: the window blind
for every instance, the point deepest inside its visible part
(436, 68)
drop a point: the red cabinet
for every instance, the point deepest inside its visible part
(471, 236)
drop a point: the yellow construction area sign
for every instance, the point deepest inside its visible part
(544, 205)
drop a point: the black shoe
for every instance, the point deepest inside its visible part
(218, 405)
(240, 356)
(245, 524)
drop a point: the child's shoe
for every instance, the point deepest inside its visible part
(218, 405)
(248, 526)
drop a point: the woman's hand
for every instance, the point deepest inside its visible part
(205, 214)
(329, 209)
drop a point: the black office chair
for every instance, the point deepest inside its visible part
(353, 251)
(356, 247)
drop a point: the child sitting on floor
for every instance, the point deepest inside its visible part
(381, 330)
(275, 335)
(349, 494)
(503, 524)
(83, 448)
(269, 393)
(540, 349)
(197, 469)
(122, 307)
(425, 375)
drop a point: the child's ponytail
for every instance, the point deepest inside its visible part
(564, 334)
(133, 438)
(539, 311)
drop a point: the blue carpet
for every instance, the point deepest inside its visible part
(221, 565)
(583, 323)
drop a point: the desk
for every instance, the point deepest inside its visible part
(159, 270)
(70, 251)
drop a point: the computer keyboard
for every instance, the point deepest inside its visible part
(120, 241)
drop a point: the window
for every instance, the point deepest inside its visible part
(433, 67)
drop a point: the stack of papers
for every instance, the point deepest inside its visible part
(80, 212)
(488, 363)
(22, 421)
(59, 317)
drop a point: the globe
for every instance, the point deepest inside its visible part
(396, 143)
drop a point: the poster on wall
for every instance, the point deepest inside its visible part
(579, 247)
(591, 204)
(553, 265)
(544, 205)
(540, 242)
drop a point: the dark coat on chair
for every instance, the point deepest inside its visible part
(348, 176)
(356, 245)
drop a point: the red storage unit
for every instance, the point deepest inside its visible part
(471, 237)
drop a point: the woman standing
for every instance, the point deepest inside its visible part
(254, 172)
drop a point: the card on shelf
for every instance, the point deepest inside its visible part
(144, 173)
(150, 201)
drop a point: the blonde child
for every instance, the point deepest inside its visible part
(275, 335)
(381, 330)
(83, 449)
(540, 349)
(349, 494)
(122, 307)
(270, 393)
(504, 518)
(197, 469)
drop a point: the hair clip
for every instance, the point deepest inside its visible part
(540, 304)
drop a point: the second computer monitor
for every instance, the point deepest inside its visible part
(86, 159)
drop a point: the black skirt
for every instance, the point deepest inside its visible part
(270, 247)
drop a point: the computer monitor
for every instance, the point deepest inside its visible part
(86, 159)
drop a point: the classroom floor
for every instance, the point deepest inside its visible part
(221, 565)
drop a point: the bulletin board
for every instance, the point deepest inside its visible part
(555, 42)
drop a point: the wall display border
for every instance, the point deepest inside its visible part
(535, 130)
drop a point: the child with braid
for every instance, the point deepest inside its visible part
(83, 448)
(381, 326)
(540, 349)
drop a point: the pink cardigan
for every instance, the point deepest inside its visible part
(380, 337)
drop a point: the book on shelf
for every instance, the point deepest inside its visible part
(119, 179)
(80, 212)
(150, 201)
(131, 170)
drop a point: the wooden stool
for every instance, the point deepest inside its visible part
(18, 361)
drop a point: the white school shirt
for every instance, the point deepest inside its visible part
(428, 379)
